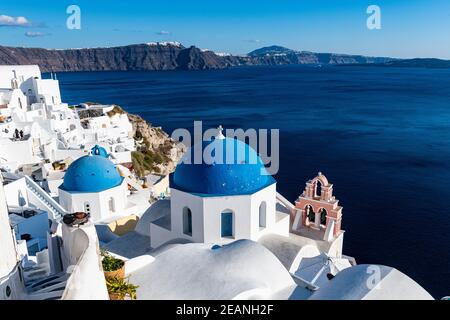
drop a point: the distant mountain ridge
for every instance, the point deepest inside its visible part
(151, 56)
(282, 55)
(269, 51)
(172, 56)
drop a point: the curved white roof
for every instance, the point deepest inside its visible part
(241, 269)
(359, 283)
(288, 251)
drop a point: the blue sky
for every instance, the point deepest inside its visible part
(410, 28)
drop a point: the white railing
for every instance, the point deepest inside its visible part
(82, 256)
(285, 201)
(55, 210)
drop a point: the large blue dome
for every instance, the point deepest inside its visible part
(91, 174)
(216, 176)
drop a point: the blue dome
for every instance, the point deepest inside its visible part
(99, 151)
(245, 174)
(91, 174)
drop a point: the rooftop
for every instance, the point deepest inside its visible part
(197, 271)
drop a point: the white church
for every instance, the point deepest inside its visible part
(220, 203)
(93, 184)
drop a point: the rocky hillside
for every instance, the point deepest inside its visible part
(156, 151)
(166, 56)
(153, 56)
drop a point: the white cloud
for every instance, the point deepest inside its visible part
(8, 21)
(163, 33)
(34, 34)
(253, 41)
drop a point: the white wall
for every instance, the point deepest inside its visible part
(7, 249)
(241, 208)
(178, 201)
(11, 192)
(98, 201)
(122, 157)
(17, 151)
(81, 251)
(48, 90)
(18, 100)
(101, 122)
(268, 195)
(9, 273)
(62, 154)
(206, 217)
(6, 74)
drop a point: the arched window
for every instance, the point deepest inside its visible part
(318, 189)
(187, 221)
(323, 216)
(87, 208)
(227, 229)
(310, 214)
(112, 204)
(262, 215)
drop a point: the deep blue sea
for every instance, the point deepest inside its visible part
(380, 135)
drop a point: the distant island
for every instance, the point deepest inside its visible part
(174, 56)
(417, 63)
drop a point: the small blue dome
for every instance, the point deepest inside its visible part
(245, 174)
(91, 174)
(99, 151)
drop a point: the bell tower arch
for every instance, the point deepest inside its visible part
(317, 209)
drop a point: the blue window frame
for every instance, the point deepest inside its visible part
(227, 224)
(187, 221)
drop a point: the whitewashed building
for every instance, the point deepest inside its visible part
(92, 184)
(36, 125)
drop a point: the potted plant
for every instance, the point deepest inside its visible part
(112, 267)
(120, 289)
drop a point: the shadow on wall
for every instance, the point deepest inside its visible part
(124, 225)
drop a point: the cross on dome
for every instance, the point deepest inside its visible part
(220, 133)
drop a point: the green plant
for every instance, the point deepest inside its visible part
(121, 287)
(110, 263)
(143, 162)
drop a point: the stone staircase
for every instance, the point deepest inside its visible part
(56, 212)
